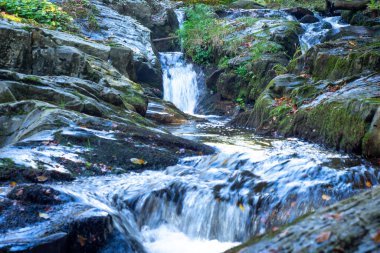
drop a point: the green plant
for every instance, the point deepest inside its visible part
(40, 11)
(241, 102)
(264, 46)
(374, 5)
(84, 10)
(280, 69)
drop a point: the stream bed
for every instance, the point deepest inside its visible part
(212, 203)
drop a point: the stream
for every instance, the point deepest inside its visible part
(211, 203)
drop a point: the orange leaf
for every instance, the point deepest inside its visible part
(368, 184)
(138, 161)
(82, 240)
(12, 184)
(326, 197)
(42, 178)
(376, 238)
(324, 236)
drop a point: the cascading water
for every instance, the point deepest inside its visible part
(208, 203)
(180, 81)
(180, 78)
(211, 203)
(316, 32)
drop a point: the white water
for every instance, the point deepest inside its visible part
(167, 239)
(180, 81)
(315, 32)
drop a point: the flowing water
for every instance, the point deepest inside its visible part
(179, 81)
(211, 203)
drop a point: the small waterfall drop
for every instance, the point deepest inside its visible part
(316, 32)
(179, 77)
(180, 81)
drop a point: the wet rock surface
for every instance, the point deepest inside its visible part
(326, 230)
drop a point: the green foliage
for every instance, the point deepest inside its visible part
(264, 46)
(82, 9)
(374, 5)
(279, 69)
(241, 102)
(40, 11)
(208, 2)
(295, 3)
(200, 33)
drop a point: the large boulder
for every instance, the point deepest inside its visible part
(326, 230)
(338, 114)
(159, 16)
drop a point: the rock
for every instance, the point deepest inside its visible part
(37, 194)
(361, 18)
(337, 114)
(163, 112)
(62, 228)
(326, 230)
(89, 232)
(159, 16)
(16, 52)
(213, 104)
(246, 4)
(347, 54)
(308, 19)
(299, 12)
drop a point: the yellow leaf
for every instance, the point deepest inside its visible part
(368, 184)
(12, 184)
(326, 197)
(324, 236)
(44, 215)
(241, 207)
(42, 178)
(376, 237)
(82, 240)
(138, 161)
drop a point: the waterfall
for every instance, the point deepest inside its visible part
(180, 81)
(179, 78)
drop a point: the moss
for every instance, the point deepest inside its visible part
(335, 125)
(32, 79)
(375, 101)
(267, 236)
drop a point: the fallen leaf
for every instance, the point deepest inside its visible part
(368, 184)
(19, 192)
(274, 229)
(82, 240)
(12, 184)
(335, 216)
(376, 237)
(241, 207)
(42, 178)
(138, 161)
(326, 197)
(324, 236)
(44, 215)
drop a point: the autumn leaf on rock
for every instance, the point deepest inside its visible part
(324, 236)
(82, 240)
(12, 184)
(241, 207)
(376, 237)
(326, 197)
(368, 184)
(42, 178)
(44, 215)
(138, 161)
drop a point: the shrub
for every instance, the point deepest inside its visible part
(41, 11)
(84, 10)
